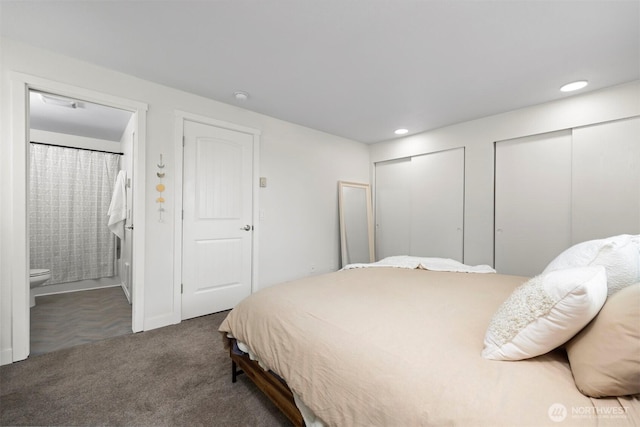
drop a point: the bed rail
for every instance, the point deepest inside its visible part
(271, 385)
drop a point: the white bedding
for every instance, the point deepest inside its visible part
(433, 264)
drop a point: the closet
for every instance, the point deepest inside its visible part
(557, 189)
(419, 204)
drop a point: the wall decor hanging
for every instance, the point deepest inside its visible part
(160, 189)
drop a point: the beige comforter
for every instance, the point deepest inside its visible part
(398, 347)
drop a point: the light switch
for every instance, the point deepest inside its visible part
(263, 181)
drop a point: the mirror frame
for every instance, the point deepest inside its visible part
(369, 209)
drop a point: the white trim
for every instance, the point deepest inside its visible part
(20, 322)
(20, 86)
(177, 239)
(160, 321)
(181, 117)
(6, 356)
(78, 286)
(43, 85)
(139, 212)
(193, 117)
(126, 294)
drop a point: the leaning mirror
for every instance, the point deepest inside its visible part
(356, 223)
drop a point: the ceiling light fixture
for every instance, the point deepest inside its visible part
(60, 102)
(241, 96)
(570, 87)
(401, 131)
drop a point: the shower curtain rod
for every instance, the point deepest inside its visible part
(77, 148)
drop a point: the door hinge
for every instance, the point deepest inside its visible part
(182, 213)
(181, 288)
(183, 140)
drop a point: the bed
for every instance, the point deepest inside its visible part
(406, 342)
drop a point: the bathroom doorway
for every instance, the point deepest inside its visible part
(80, 170)
(21, 84)
(80, 220)
(89, 132)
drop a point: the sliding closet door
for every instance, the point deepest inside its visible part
(393, 208)
(420, 206)
(438, 204)
(606, 180)
(532, 202)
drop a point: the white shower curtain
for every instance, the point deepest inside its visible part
(70, 192)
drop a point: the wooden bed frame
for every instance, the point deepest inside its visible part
(271, 385)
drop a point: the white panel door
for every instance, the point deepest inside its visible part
(437, 211)
(532, 202)
(393, 208)
(126, 261)
(606, 180)
(217, 227)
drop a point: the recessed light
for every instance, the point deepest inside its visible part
(570, 87)
(241, 96)
(401, 131)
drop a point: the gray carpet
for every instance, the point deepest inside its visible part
(174, 376)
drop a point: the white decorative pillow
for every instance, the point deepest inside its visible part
(619, 255)
(545, 312)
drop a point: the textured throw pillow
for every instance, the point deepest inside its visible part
(605, 356)
(619, 255)
(545, 312)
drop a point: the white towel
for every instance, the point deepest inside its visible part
(118, 208)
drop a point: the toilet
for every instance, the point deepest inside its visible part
(37, 277)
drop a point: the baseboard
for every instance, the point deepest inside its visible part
(82, 285)
(126, 291)
(6, 356)
(159, 322)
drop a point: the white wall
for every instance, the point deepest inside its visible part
(299, 232)
(478, 137)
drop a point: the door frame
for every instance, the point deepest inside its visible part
(180, 118)
(21, 84)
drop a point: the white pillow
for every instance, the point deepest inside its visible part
(619, 255)
(545, 312)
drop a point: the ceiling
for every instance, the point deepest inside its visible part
(54, 113)
(358, 68)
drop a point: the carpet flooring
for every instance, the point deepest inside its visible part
(66, 320)
(179, 375)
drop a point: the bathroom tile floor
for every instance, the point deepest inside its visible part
(66, 320)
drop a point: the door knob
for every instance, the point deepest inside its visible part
(246, 228)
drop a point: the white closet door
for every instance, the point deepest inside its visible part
(606, 180)
(420, 206)
(532, 202)
(437, 211)
(393, 208)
